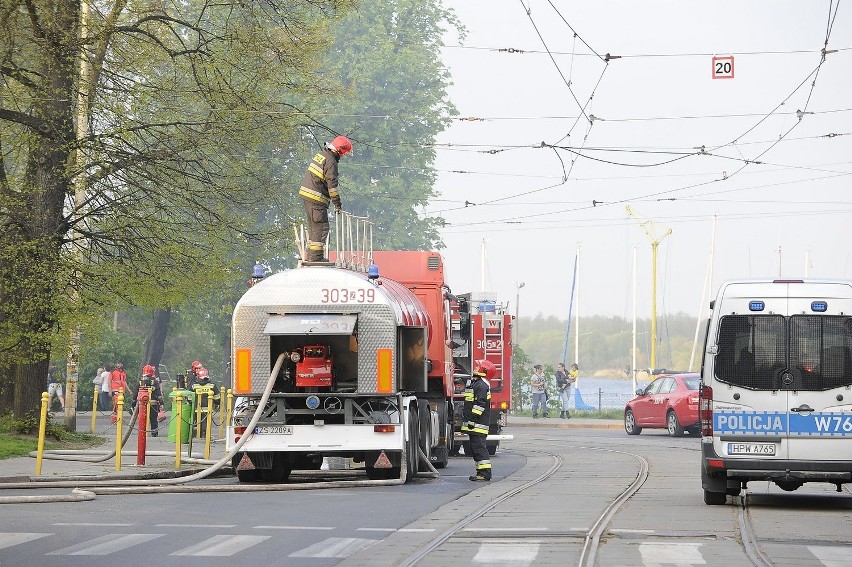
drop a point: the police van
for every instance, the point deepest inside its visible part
(775, 400)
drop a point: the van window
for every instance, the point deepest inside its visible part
(820, 350)
(754, 350)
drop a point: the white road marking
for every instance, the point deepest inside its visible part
(293, 528)
(391, 530)
(10, 539)
(221, 545)
(106, 525)
(340, 547)
(515, 554)
(208, 526)
(832, 555)
(105, 545)
(525, 530)
(657, 554)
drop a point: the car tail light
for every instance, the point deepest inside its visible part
(238, 432)
(705, 410)
(716, 463)
(693, 400)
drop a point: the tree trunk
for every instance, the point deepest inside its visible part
(30, 382)
(155, 343)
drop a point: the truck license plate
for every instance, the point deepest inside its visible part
(274, 429)
(751, 448)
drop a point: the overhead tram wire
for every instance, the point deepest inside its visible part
(639, 55)
(756, 160)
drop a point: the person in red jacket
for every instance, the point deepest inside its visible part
(319, 188)
(117, 381)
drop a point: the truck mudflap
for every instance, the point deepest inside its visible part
(464, 437)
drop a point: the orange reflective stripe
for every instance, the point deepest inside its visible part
(384, 365)
(242, 371)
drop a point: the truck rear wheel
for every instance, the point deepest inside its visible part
(412, 457)
(441, 454)
(424, 418)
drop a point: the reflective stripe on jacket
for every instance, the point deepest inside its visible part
(320, 181)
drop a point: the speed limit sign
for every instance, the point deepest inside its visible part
(723, 67)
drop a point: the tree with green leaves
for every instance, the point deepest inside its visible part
(128, 162)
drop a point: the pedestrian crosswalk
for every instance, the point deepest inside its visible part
(518, 552)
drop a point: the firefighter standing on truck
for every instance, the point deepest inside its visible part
(477, 416)
(319, 186)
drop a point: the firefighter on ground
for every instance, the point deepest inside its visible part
(319, 187)
(202, 381)
(477, 416)
(192, 374)
(156, 404)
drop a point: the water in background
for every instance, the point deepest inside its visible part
(604, 393)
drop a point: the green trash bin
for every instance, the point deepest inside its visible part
(186, 416)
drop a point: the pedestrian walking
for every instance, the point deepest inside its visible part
(118, 381)
(106, 391)
(54, 387)
(477, 416)
(563, 386)
(319, 188)
(539, 391)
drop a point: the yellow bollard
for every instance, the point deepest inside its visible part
(119, 427)
(95, 406)
(230, 402)
(208, 430)
(221, 412)
(42, 425)
(179, 416)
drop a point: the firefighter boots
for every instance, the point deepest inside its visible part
(480, 476)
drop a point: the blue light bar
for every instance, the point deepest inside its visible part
(819, 306)
(756, 305)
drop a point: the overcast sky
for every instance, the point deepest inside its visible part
(651, 111)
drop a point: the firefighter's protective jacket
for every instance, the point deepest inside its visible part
(320, 181)
(477, 406)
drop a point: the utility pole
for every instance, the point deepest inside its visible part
(647, 227)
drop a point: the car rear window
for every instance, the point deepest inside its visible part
(756, 350)
(692, 383)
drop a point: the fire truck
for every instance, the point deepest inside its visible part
(481, 329)
(367, 370)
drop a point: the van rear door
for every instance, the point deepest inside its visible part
(820, 395)
(750, 405)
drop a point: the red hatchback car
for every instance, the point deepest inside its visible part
(670, 402)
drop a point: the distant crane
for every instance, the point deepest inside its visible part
(647, 227)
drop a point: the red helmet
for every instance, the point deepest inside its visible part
(485, 368)
(341, 145)
(201, 372)
(148, 370)
(196, 365)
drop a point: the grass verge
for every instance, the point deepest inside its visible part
(19, 437)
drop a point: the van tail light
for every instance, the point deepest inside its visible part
(705, 410)
(238, 432)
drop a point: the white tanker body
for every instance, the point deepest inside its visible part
(354, 383)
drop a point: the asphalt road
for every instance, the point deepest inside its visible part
(665, 523)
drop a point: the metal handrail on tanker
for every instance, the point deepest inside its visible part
(353, 237)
